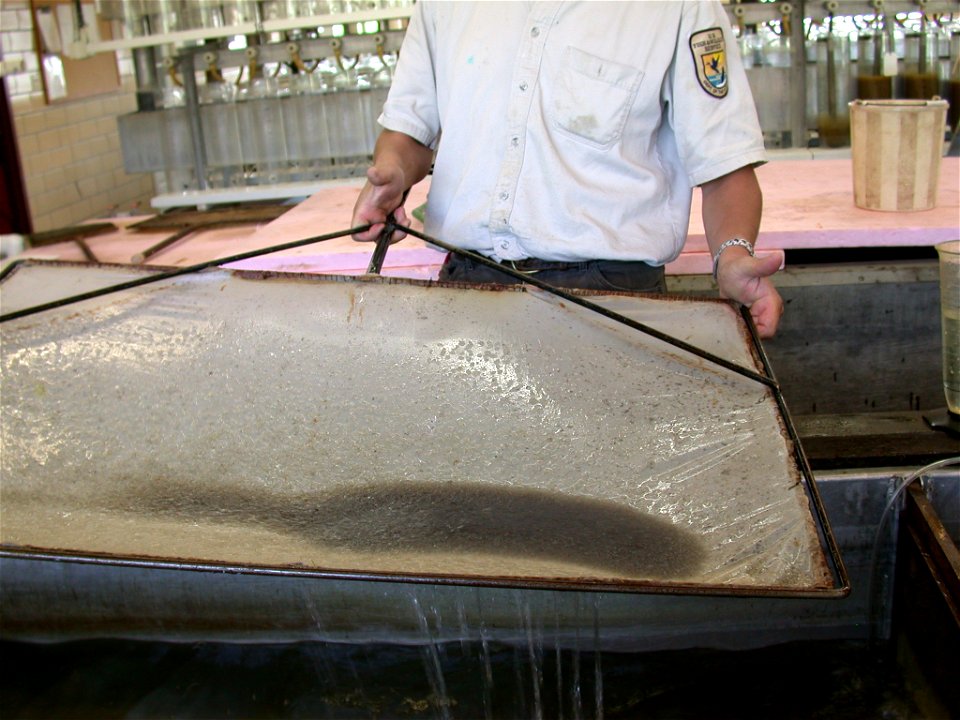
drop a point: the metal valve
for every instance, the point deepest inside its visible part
(786, 10)
(739, 12)
(170, 65)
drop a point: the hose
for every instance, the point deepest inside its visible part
(897, 494)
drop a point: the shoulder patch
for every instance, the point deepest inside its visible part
(710, 60)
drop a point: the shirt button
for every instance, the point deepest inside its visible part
(504, 245)
(523, 86)
(514, 141)
(504, 195)
(535, 32)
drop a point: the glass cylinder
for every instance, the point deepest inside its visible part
(221, 134)
(131, 13)
(751, 49)
(305, 127)
(776, 52)
(166, 18)
(833, 90)
(260, 116)
(281, 9)
(179, 175)
(921, 62)
(949, 253)
(873, 83)
(237, 12)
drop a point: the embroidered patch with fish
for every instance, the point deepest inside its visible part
(710, 59)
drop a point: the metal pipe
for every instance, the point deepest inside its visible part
(583, 302)
(193, 116)
(798, 76)
(380, 251)
(148, 84)
(176, 273)
(144, 255)
(827, 538)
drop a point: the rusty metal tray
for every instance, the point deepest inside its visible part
(400, 430)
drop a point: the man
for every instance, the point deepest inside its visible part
(572, 134)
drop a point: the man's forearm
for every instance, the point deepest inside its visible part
(732, 206)
(402, 151)
(731, 209)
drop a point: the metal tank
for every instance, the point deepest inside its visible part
(362, 440)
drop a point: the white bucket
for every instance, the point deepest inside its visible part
(896, 148)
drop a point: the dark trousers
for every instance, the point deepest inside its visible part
(587, 275)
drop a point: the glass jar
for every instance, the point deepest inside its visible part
(833, 89)
(873, 80)
(921, 72)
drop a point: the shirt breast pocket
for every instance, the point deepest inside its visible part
(593, 97)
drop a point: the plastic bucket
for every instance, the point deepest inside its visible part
(896, 148)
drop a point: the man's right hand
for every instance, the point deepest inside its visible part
(399, 163)
(382, 194)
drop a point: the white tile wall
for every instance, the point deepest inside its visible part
(69, 152)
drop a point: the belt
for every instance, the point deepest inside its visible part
(533, 265)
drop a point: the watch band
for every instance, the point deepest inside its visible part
(730, 243)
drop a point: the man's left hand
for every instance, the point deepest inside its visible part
(747, 280)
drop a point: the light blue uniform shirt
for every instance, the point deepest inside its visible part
(572, 131)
